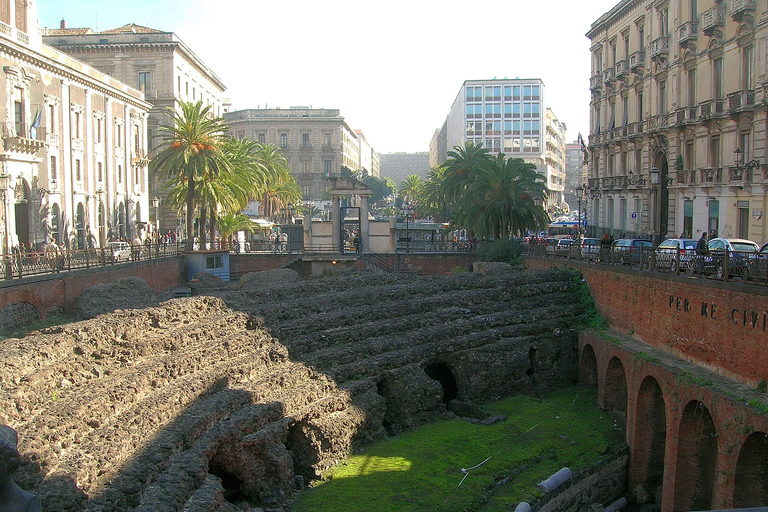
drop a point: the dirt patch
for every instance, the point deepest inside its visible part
(126, 293)
(268, 279)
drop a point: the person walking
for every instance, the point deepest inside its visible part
(702, 249)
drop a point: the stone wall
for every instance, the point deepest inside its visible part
(203, 402)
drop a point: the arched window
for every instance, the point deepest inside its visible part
(55, 224)
(80, 226)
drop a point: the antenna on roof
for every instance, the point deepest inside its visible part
(97, 20)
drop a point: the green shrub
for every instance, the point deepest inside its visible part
(502, 250)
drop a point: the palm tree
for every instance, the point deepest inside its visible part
(434, 198)
(410, 188)
(462, 165)
(230, 224)
(500, 199)
(191, 149)
(277, 172)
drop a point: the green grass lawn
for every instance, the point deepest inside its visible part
(421, 470)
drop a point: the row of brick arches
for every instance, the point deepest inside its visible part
(693, 447)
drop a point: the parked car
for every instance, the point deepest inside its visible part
(758, 267)
(676, 251)
(590, 248)
(740, 252)
(563, 247)
(632, 251)
(120, 251)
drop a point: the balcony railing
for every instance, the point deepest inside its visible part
(686, 115)
(636, 61)
(710, 175)
(657, 122)
(741, 7)
(609, 75)
(659, 48)
(596, 82)
(741, 99)
(712, 19)
(687, 33)
(683, 177)
(622, 68)
(710, 108)
(22, 139)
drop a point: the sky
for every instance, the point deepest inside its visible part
(392, 68)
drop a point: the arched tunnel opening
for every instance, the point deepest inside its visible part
(229, 481)
(441, 373)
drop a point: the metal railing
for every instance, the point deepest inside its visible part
(24, 264)
(723, 265)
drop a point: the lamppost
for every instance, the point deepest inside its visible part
(4, 183)
(408, 211)
(580, 192)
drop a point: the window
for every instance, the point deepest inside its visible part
(136, 175)
(694, 11)
(691, 87)
(99, 172)
(746, 153)
(119, 136)
(214, 261)
(145, 81)
(306, 166)
(136, 141)
(77, 125)
(714, 152)
(78, 171)
(327, 167)
(98, 130)
(641, 37)
(52, 170)
(662, 97)
(747, 59)
(262, 137)
(625, 120)
(178, 84)
(626, 46)
(305, 140)
(689, 155)
(640, 107)
(283, 140)
(717, 78)
(326, 139)
(51, 119)
(688, 216)
(714, 215)
(119, 173)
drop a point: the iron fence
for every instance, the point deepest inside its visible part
(724, 265)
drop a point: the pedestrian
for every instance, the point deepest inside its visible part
(605, 247)
(702, 249)
(276, 241)
(713, 234)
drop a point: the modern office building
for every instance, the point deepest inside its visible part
(510, 117)
(398, 166)
(317, 142)
(677, 141)
(158, 64)
(575, 173)
(74, 166)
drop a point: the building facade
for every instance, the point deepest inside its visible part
(158, 64)
(678, 119)
(398, 166)
(510, 117)
(318, 143)
(575, 173)
(74, 167)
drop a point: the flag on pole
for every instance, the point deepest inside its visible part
(580, 140)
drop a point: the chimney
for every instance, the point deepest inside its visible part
(63, 24)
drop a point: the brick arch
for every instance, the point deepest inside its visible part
(24, 296)
(751, 484)
(616, 388)
(649, 445)
(588, 367)
(695, 469)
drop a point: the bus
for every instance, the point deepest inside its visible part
(563, 229)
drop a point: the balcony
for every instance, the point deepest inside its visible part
(742, 8)
(686, 115)
(609, 182)
(22, 139)
(712, 108)
(659, 48)
(657, 122)
(739, 175)
(713, 19)
(687, 33)
(683, 177)
(609, 75)
(710, 176)
(622, 68)
(595, 82)
(636, 61)
(741, 100)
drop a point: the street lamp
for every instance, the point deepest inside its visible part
(580, 192)
(408, 211)
(736, 173)
(4, 183)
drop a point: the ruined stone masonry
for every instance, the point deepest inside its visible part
(199, 403)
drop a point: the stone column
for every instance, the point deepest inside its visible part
(307, 225)
(365, 234)
(336, 223)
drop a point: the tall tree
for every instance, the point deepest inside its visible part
(191, 148)
(410, 188)
(435, 201)
(500, 199)
(462, 165)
